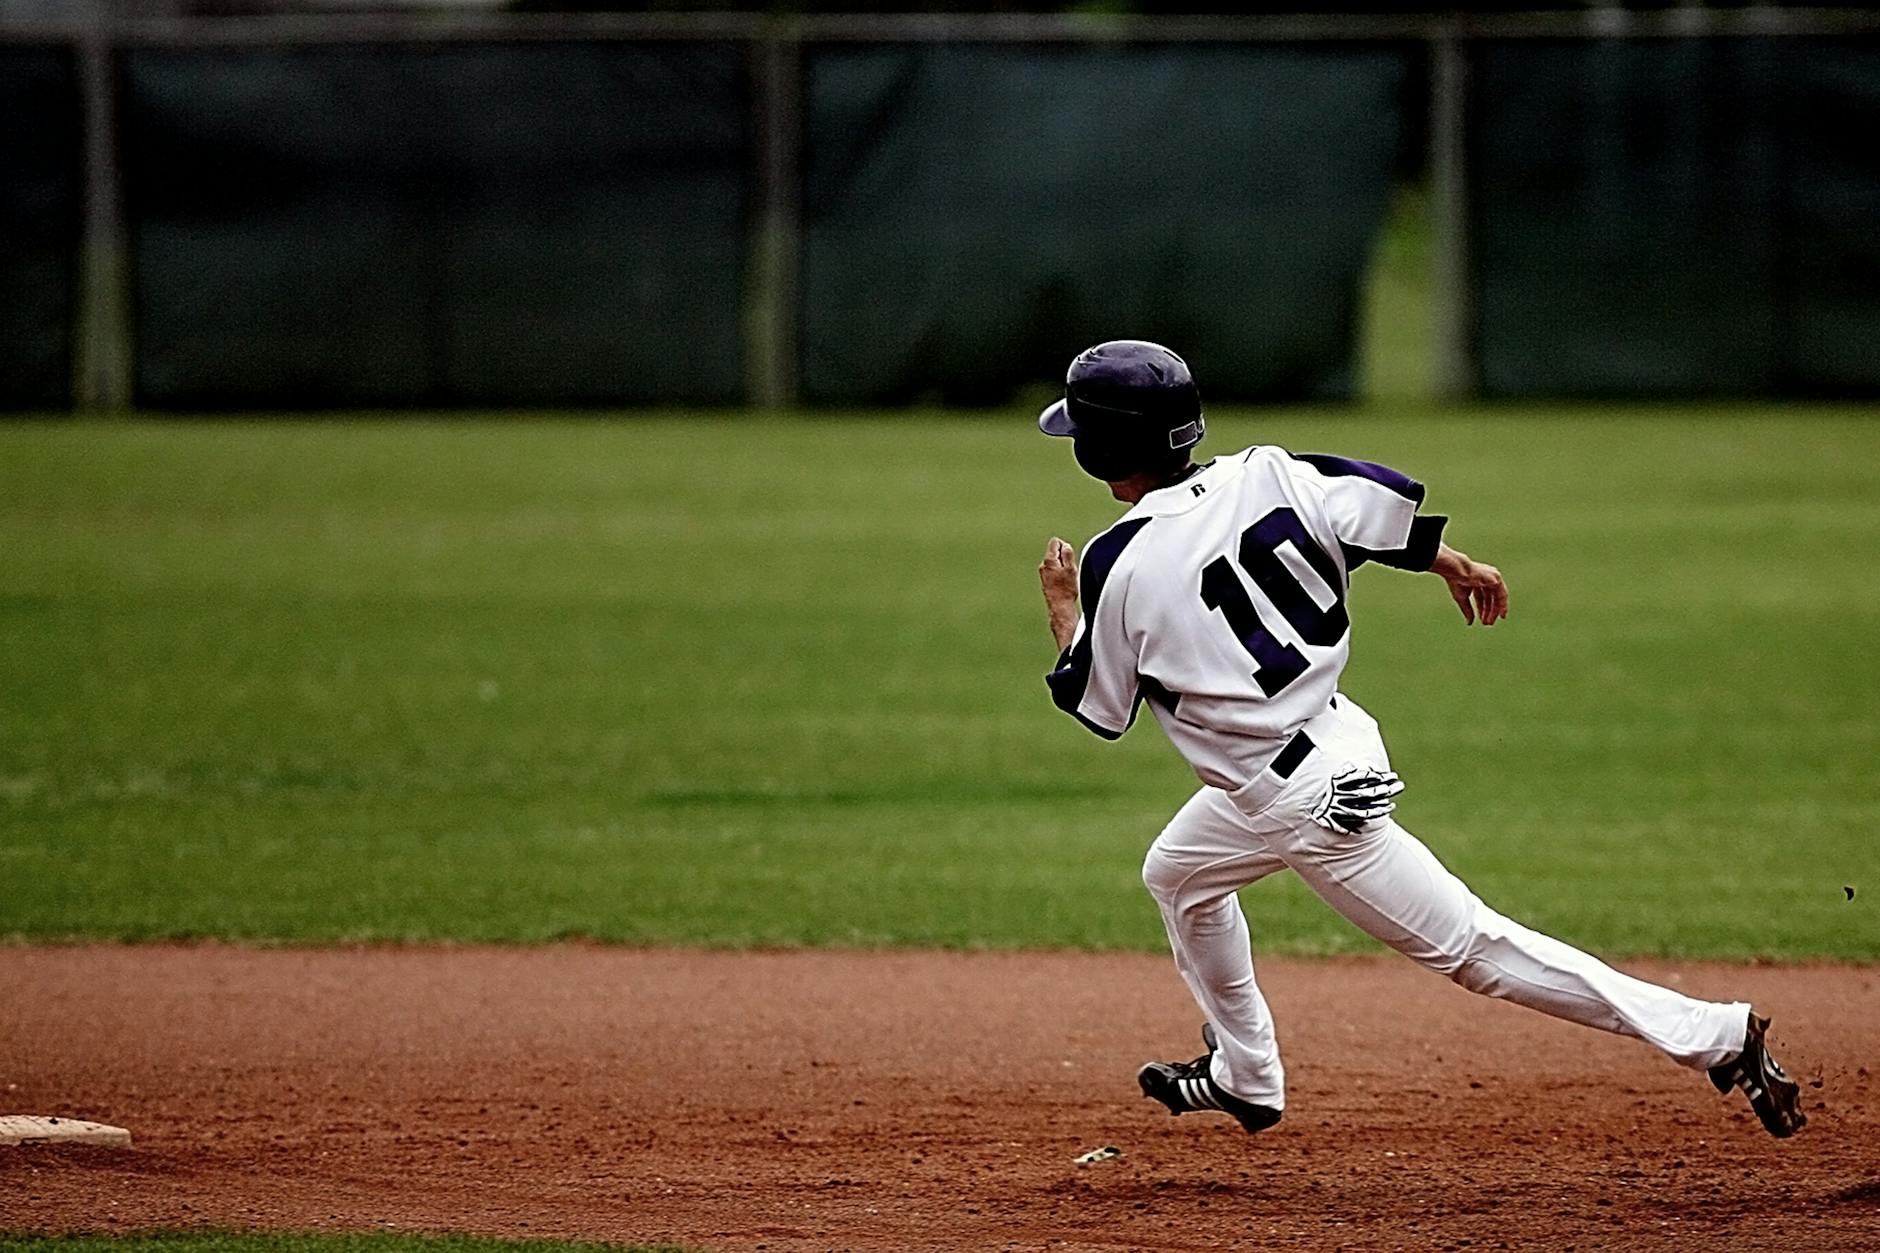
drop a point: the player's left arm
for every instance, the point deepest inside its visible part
(1373, 512)
(1478, 588)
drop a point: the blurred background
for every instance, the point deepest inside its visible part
(756, 624)
(284, 204)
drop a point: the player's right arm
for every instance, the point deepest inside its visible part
(1057, 574)
(1477, 587)
(1095, 678)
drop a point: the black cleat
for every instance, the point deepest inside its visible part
(1774, 1096)
(1188, 1086)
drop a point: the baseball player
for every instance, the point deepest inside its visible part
(1219, 600)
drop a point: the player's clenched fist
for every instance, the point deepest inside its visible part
(1057, 574)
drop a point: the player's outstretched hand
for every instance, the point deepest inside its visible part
(1057, 574)
(1477, 587)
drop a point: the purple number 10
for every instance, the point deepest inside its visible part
(1221, 589)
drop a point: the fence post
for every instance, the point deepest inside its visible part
(101, 358)
(1455, 313)
(771, 307)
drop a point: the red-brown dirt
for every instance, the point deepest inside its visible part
(816, 1100)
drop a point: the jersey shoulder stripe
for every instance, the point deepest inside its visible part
(1100, 558)
(1070, 679)
(1333, 466)
(1415, 550)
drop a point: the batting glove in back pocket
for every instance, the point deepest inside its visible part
(1359, 796)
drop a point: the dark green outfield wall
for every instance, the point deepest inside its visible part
(975, 215)
(381, 225)
(40, 146)
(1677, 217)
(569, 223)
(566, 223)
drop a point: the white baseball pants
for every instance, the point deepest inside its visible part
(1385, 882)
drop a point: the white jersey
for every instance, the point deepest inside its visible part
(1220, 600)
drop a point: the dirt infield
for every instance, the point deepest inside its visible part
(794, 1101)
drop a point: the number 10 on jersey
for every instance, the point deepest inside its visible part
(1278, 663)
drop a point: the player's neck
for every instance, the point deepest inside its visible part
(1136, 486)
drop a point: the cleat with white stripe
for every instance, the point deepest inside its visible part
(1775, 1097)
(1188, 1087)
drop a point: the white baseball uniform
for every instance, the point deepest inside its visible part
(1220, 600)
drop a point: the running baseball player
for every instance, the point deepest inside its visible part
(1219, 600)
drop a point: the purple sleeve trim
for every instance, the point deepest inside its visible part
(1333, 466)
(1418, 553)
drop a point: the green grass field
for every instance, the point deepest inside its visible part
(738, 681)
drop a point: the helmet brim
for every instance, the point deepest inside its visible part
(1056, 420)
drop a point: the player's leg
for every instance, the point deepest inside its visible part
(1387, 883)
(1194, 868)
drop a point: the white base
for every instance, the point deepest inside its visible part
(29, 1129)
